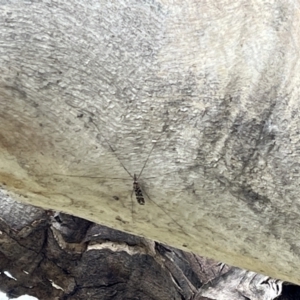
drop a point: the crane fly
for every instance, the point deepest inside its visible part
(137, 189)
(136, 186)
(139, 193)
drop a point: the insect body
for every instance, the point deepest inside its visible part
(138, 192)
(136, 186)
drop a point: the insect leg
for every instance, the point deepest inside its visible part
(111, 148)
(162, 209)
(131, 205)
(147, 159)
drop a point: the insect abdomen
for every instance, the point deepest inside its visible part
(138, 192)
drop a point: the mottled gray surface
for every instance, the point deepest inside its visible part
(201, 97)
(18, 216)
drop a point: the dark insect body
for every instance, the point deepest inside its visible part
(138, 192)
(136, 186)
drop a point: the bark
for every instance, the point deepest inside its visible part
(199, 99)
(58, 256)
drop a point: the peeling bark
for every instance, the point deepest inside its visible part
(65, 257)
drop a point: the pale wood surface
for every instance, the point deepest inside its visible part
(205, 92)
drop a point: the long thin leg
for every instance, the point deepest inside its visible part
(148, 158)
(131, 205)
(145, 162)
(162, 209)
(87, 176)
(136, 179)
(111, 148)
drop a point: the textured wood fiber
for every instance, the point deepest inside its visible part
(205, 92)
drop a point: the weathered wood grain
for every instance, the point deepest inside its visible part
(214, 85)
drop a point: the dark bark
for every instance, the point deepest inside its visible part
(58, 256)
